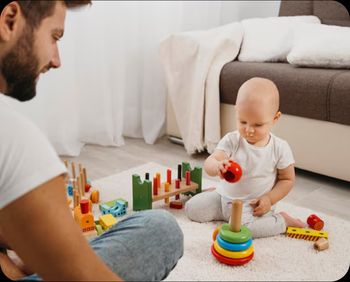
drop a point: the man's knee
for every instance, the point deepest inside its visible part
(163, 224)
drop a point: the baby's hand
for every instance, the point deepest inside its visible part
(222, 167)
(261, 205)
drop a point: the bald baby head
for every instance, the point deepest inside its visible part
(260, 94)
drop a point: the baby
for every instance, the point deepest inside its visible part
(266, 160)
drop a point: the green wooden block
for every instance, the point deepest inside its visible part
(99, 229)
(196, 177)
(141, 193)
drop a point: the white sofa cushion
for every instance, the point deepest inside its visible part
(325, 46)
(269, 39)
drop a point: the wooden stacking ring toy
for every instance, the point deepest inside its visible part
(243, 235)
(230, 261)
(233, 244)
(233, 172)
(234, 247)
(231, 254)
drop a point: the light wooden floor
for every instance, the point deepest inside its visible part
(314, 191)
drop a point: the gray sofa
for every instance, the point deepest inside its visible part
(315, 102)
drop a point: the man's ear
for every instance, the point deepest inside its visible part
(9, 21)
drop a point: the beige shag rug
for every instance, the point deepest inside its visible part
(277, 258)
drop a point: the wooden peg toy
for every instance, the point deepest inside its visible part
(155, 186)
(166, 190)
(144, 195)
(177, 186)
(233, 244)
(73, 170)
(168, 176)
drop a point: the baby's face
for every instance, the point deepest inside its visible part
(254, 121)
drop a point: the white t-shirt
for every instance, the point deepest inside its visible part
(27, 158)
(259, 165)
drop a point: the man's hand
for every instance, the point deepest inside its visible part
(40, 228)
(261, 205)
(3, 243)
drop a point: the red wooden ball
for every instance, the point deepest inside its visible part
(233, 173)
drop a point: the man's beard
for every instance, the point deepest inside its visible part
(20, 68)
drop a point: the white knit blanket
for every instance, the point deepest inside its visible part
(192, 63)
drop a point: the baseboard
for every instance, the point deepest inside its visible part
(176, 140)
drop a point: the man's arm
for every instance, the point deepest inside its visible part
(40, 228)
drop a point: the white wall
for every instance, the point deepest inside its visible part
(239, 10)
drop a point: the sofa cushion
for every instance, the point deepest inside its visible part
(322, 94)
(320, 46)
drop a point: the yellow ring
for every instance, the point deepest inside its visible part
(235, 255)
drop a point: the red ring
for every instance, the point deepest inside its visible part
(230, 261)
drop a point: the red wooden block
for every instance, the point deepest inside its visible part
(315, 222)
(176, 205)
(87, 187)
(84, 206)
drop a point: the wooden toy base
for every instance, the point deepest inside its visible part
(173, 191)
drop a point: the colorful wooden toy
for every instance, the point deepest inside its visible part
(315, 222)
(306, 234)
(84, 217)
(233, 244)
(233, 173)
(117, 207)
(142, 191)
(107, 221)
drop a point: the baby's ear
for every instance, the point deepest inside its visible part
(277, 116)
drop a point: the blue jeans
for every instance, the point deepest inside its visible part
(145, 246)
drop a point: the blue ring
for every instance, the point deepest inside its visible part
(233, 247)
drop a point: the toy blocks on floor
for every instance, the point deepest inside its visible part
(107, 221)
(116, 207)
(144, 195)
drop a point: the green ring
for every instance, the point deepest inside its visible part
(235, 237)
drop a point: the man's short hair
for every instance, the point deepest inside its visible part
(35, 11)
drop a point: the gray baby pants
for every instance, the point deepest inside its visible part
(211, 206)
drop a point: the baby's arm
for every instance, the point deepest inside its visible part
(216, 162)
(284, 183)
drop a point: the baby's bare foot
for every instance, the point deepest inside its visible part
(292, 222)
